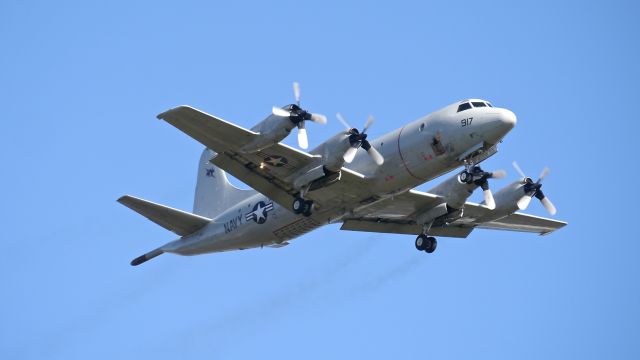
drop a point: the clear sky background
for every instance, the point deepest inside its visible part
(81, 83)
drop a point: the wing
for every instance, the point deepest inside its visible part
(474, 213)
(270, 171)
(398, 216)
(215, 133)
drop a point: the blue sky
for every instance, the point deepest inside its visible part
(82, 83)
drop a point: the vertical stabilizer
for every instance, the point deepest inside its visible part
(214, 192)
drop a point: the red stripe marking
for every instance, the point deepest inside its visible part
(402, 157)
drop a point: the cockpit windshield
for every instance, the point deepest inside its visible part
(473, 104)
(464, 106)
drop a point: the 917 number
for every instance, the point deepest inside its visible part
(466, 122)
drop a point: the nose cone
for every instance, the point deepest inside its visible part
(507, 119)
(499, 124)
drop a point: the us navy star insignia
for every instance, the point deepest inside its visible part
(276, 160)
(259, 213)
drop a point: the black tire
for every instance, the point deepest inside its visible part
(421, 241)
(298, 205)
(306, 211)
(465, 177)
(430, 245)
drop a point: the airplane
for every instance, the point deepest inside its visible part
(366, 185)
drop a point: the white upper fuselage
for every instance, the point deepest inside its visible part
(413, 154)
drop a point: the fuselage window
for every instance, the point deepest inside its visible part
(478, 104)
(464, 106)
(421, 126)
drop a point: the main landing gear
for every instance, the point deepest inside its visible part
(425, 242)
(302, 206)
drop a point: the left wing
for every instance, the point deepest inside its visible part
(270, 171)
(415, 202)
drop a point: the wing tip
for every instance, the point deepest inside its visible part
(122, 199)
(163, 115)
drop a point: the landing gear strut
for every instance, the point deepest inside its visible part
(302, 206)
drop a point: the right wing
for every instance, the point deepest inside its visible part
(478, 216)
(398, 216)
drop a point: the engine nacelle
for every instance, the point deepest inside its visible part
(454, 191)
(333, 151)
(316, 178)
(507, 200)
(272, 130)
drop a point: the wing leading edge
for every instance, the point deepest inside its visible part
(380, 219)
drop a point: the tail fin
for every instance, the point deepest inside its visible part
(214, 192)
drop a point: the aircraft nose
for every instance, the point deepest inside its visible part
(501, 122)
(507, 118)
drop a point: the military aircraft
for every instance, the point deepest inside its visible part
(367, 185)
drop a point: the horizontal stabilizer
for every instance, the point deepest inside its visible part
(177, 221)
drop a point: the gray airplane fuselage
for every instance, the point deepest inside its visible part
(413, 154)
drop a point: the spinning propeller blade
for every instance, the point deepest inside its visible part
(343, 121)
(350, 154)
(296, 92)
(488, 199)
(532, 189)
(279, 112)
(523, 203)
(303, 141)
(320, 119)
(375, 155)
(475, 175)
(298, 116)
(517, 167)
(359, 139)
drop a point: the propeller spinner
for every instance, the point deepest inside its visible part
(298, 116)
(532, 189)
(359, 139)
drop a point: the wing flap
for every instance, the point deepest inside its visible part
(174, 220)
(268, 186)
(390, 227)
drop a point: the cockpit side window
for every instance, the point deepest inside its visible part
(478, 104)
(464, 106)
(489, 104)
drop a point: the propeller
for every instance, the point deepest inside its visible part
(359, 139)
(532, 189)
(480, 178)
(298, 116)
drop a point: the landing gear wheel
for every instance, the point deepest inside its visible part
(298, 205)
(421, 241)
(465, 177)
(306, 211)
(430, 245)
